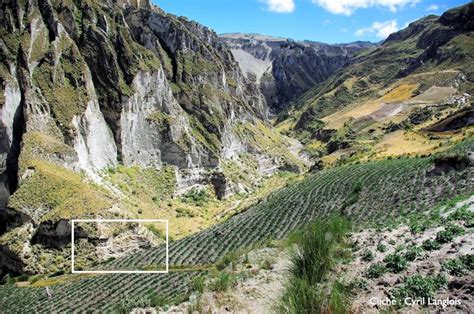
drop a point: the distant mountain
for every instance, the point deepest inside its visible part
(435, 51)
(285, 69)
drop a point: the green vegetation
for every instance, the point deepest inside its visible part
(413, 253)
(59, 193)
(317, 196)
(154, 185)
(381, 247)
(161, 119)
(198, 197)
(367, 256)
(431, 245)
(309, 290)
(395, 262)
(419, 287)
(63, 85)
(460, 266)
(375, 270)
(449, 234)
(223, 282)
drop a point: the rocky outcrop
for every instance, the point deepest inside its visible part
(87, 86)
(118, 82)
(285, 69)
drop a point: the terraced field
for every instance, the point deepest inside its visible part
(369, 192)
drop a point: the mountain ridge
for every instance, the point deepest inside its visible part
(285, 69)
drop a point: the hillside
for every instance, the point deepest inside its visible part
(113, 108)
(287, 176)
(379, 194)
(418, 77)
(284, 69)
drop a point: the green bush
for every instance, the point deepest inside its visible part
(375, 270)
(460, 266)
(367, 256)
(199, 284)
(419, 287)
(184, 212)
(462, 213)
(431, 245)
(413, 253)
(196, 197)
(395, 262)
(314, 257)
(229, 259)
(158, 300)
(381, 247)
(448, 235)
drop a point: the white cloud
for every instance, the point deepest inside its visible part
(380, 29)
(348, 7)
(280, 6)
(433, 7)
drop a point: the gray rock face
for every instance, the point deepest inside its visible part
(91, 85)
(285, 69)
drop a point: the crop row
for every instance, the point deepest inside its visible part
(368, 192)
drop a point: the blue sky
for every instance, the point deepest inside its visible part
(329, 21)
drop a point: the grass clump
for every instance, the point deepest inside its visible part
(320, 247)
(223, 282)
(199, 284)
(230, 258)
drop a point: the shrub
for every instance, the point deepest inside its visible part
(229, 259)
(367, 256)
(419, 287)
(413, 253)
(57, 273)
(302, 297)
(158, 300)
(461, 214)
(395, 262)
(196, 197)
(375, 270)
(431, 245)
(184, 212)
(381, 247)
(450, 232)
(459, 266)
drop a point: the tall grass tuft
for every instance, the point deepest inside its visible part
(310, 288)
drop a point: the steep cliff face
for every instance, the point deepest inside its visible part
(89, 86)
(285, 69)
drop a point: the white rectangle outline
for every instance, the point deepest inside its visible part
(118, 271)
